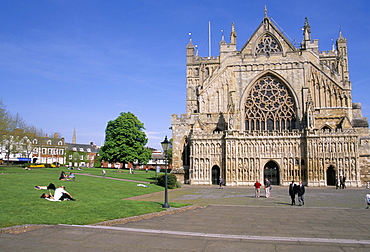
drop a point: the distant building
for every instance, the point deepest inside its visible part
(81, 155)
(15, 147)
(48, 150)
(156, 160)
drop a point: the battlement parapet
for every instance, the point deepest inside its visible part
(328, 53)
(264, 134)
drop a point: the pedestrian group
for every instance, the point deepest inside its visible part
(267, 187)
(297, 190)
(294, 190)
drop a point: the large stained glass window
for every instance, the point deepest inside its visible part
(270, 106)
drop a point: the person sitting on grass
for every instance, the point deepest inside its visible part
(62, 194)
(71, 176)
(62, 176)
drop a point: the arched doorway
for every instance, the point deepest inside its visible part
(271, 171)
(330, 176)
(215, 175)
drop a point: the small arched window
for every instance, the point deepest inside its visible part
(207, 71)
(267, 45)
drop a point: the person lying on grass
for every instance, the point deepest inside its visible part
(61, 194)
(46, 196)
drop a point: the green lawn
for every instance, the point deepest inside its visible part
(97, 199)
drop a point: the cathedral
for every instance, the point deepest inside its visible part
(270, 110)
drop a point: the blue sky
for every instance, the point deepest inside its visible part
(68, 64)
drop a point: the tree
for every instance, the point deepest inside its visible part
(15, 134)
(125, 141)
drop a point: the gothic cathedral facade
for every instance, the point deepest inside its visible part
(270, 110)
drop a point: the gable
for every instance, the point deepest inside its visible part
(267, 40)
(198, 126)
(345, 123)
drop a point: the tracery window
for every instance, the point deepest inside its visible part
(270, 106)
(267, 45)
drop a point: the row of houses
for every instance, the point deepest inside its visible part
(20, 148)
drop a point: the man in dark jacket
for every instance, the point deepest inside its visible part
(300, 191)
(292, 191)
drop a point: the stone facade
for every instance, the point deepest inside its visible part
(270, 110)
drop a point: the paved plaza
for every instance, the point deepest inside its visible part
(228, 219)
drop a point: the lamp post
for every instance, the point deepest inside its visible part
(165, 146)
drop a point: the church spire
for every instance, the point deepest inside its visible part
(74, 136)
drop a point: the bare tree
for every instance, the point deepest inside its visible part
(15, 134)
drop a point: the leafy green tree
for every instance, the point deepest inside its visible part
(125, 141)
(97, 162)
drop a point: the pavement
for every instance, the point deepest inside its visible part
(228, 219)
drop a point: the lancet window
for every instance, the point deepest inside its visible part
(270, 106)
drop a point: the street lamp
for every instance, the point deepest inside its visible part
(165, 146)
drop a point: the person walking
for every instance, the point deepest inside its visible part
(341, 182)
(267, 187)
(300, 191)
(221, 182)
(257, 189)
(292, 191)
(103, 172)
(344, 182)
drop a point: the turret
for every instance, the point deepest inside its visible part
(307, 44)
(343, 59)
(306, 33)
(225, 48)
(190, 51)
(233, 35)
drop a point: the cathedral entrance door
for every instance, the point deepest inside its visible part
(215, 174)
(330, 175)
(271, 171)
